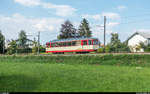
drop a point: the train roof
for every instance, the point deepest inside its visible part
(71, 39)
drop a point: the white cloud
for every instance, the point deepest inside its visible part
(98, 31)
(60, 10)
(86, 16)
(112, 24)
(95, 17)
(109, 15)
(29, 2)
(142, 30)
(11, 25)
(121, 7)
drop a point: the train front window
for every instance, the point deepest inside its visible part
(95, 42)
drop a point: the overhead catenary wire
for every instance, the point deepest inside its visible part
(134, 17)
(139, 15)
(135, 21)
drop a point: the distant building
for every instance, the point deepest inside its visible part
(135, 40)
(30, 43)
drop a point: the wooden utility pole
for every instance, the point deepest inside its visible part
(38, 43)
(104, 31)
(4, 46)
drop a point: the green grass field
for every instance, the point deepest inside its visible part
(75, 74)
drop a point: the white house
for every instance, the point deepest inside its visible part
(7, 43)
(135, 40)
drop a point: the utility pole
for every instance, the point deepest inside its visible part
(38, 43)
(104, 31)
(104, 28)
(4, 46)
(17, 48)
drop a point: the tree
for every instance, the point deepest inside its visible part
(145, 47)
(67, 30)
(116, 45)
(12, 47)
(22, 40)
(115, 42)
(34, 48)
(84, 29)
(124, 47)
(2, 43)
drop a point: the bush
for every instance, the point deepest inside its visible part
(147, 49)
(34, 50)
(42, 49)
(12, 47)
(107, 49)
(11, 51)
(25, 50)
(100, 50)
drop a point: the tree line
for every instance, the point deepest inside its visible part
(21, 45)
(115, 45)
(67, 30)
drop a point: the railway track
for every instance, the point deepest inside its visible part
(94, 54)
(80, 54)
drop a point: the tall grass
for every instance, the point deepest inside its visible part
(75, 73)
(119, 60)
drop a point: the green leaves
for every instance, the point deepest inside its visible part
(116, 45)
(2, 39)
(12, 47)
(67, 31)
(84, 29)
(22, 39)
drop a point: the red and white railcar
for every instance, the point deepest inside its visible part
(72, 45)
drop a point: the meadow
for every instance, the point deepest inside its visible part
(101, 73)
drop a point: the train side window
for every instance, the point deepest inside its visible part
(89, 42)
(60, 44)
(56, 44)
(78, 43)
(73, 43)
(64, 43)
(52, 45)
(47, 45)
(68, 43)
(84, 42)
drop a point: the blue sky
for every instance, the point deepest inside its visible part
(123, 16)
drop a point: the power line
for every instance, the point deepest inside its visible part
(136, 17)
(145, 20)
(147, 14)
